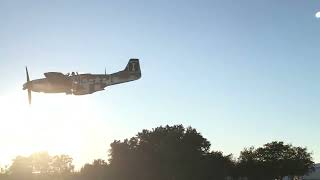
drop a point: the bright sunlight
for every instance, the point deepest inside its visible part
(54, 123)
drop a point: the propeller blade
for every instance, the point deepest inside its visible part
(29, 96)
(28, 79)
(29, 90)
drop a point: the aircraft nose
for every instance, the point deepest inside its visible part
(26, 85)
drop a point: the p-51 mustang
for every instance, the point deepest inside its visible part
(81, 84)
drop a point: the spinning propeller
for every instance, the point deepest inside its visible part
(27, 86)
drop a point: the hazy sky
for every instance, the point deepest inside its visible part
(241, 72)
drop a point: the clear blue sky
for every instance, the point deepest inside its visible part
(241, 72)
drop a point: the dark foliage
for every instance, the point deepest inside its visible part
(167, 153)
(274, 160)
(170, 152)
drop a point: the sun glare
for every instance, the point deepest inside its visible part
(54, 123)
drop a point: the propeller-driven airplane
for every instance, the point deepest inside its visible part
(81, 84)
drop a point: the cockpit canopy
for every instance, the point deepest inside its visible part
(72, 74)
(54, 75)
(57, 77)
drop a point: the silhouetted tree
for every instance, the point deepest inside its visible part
(98, 170)
(216, 166)
(300, 162)
(62, 164)
(249, 166)
(281, 159)
(4, 172)
(41, 162)
(274, 160)
(40, 166)
(21, 168)
(170, 152)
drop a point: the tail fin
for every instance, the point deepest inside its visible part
(133, 66)
(130, 73)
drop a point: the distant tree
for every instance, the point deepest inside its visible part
(275, 157)
(41, 165)
(41, 162)
(21, 167)
(274, 160)
(61, 164)
(4, 172)
(282, 160)
(234, 170)
(217, 166)
(249, 166)
(97, 170)
(300, 162)
(170, 152)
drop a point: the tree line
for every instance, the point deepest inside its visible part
(168, 153)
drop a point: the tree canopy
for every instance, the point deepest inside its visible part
(275, 160)
(168, 153)
(40, 163)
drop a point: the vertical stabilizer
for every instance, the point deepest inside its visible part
(133, 66)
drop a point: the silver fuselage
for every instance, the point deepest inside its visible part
(43, 85)
(80, 84)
